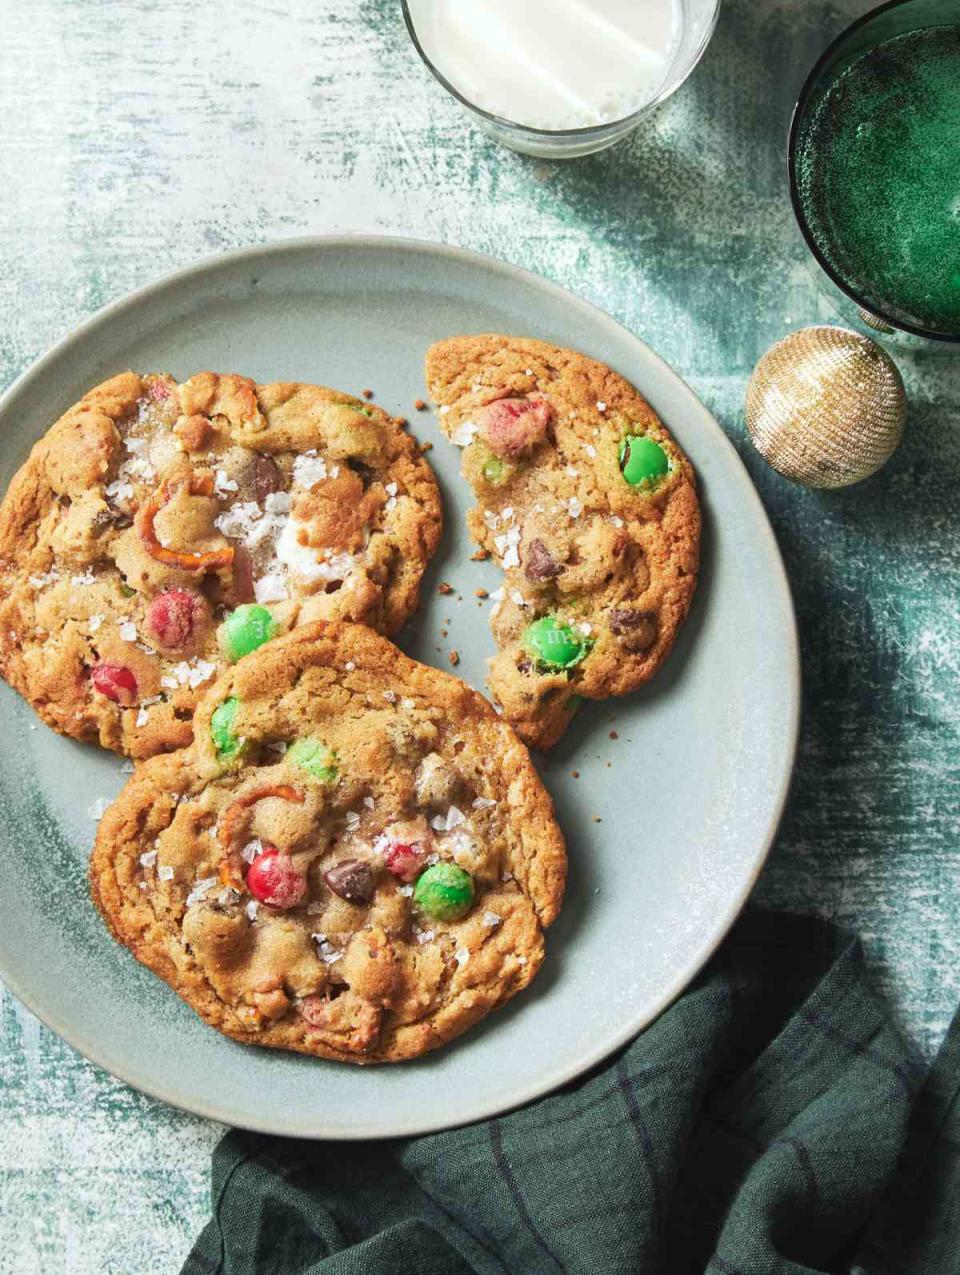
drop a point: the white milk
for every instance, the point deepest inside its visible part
(551, 64)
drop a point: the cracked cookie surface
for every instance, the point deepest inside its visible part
(355, 859)
(589, 506)
(159, 529)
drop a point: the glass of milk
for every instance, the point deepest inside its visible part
(560, 78)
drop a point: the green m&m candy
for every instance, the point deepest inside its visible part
(227, 744)
(494, 471)
(315, 758)
(554, 644)
(245, 629)
(642, 461)
(444, 892)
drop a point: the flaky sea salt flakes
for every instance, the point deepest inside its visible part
(492, 919)
(574, 507)
(491, 517)
(252, 908)
(408, 704)
(424, 936)
(445, 409)
(228, 896)
(126, 767)
(349, 666)
(369, 802)
(431, 859)
(390, 489)
(277, 502)
(41, 581)
(95, 811)
(461, 956)
(601, 405)
(95, 622)
(118, 490)
(446, 823)
(165, 872)
(405, 890)
(308, 470)
(590, 450)
(238, 520)
(464, 434)
(497, 595)
(506, 876)
(617, 522)
(87, 577)
(190, 673)
(251, 850)
(128, 631)
(326, 951)
(390, 697)
(518, 598)
(521, 960)
(143, 714)
(506, 513)
(270, 588)
(223, 484)
(352, 821)
(483, 803)
(585, 628)
(200, 889)
(148, 858)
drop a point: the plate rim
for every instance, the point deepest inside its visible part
(782, 601)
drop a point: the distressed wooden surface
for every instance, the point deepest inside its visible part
(138, 136)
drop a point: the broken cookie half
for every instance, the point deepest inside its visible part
(589, 506)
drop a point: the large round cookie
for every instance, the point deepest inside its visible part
(151, 511)
(589, 506)
(354, 859)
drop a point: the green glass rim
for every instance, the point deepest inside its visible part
(587, 131)
(796, 120)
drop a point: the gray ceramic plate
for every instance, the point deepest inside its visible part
(689, 795)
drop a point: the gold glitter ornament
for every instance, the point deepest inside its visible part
(826, 407)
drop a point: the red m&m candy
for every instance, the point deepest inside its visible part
(115, 681)
(171, 617)
(274, 880)
(404, 860)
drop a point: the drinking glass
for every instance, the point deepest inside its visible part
(698, 25)
(896, 18)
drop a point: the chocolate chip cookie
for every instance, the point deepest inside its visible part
(354, 859)
(160, 530)
(590, 508)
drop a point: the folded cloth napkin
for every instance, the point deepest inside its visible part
(753, 1129)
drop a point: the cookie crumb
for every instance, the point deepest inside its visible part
(445, 588)
(420, 405)
(614, 735)
(402, 422)
(575, 774)
(454, 658)
(426, 447)
(597, 819)
(481, 593)
(480, 556)
(367, 393)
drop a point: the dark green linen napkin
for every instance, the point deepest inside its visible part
(752, 1130)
